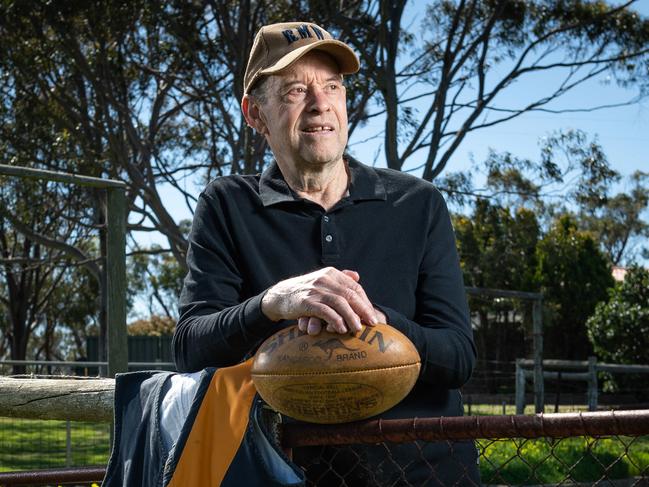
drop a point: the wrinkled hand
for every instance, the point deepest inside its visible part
(314, 325)
(326, 296)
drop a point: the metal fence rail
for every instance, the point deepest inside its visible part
(562, 425)
(57, 476)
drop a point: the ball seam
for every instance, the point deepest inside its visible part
(329, 372)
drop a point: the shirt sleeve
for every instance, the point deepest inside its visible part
(441, 328)
(218, 326)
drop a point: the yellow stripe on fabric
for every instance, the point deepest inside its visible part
(219, 427)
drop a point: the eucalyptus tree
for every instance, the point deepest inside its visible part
(451, 74)
(149, 92)
(43, 245)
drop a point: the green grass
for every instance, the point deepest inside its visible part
(547, 461)
(495, 409)
(31, 444)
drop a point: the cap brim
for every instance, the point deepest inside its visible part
(347, 61)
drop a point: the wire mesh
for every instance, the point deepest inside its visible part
(390, 464)
(604, 461)
(27, 444)
(614, 460)
(605, 448)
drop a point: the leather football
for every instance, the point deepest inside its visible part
(334, 378)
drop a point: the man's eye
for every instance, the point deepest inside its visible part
(298, 90)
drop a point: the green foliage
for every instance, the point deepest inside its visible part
(617, 221)
(69, 316)
(552, 226)
(156, 274)
(43, 287)
(497, 246)
(571, 176)
(149, 92)
(153, 326)
(619, 327)
(504, 248)
(571, 170)
(574, 276)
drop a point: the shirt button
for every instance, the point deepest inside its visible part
(325, 218)
(329, 238)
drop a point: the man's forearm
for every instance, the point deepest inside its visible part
(207, 337)
(447, 351)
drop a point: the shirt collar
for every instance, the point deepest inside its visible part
(365, 184)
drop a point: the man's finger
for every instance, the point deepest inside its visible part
(355, 295)
(314, 325)
(342, 306)
(302, 323)
(353, 274)
(324, 310)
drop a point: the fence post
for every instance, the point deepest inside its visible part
(116, 277)
(68, 444)
(520, 387)
(592, 383)
(537, 330)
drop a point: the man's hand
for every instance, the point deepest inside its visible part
(327, 296)
(314, 325)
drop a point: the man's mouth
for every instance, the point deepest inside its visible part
(318, 128)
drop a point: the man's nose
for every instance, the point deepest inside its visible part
(318, 100)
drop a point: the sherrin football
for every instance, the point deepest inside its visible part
(334, 378)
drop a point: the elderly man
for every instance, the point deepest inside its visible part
(325, 240)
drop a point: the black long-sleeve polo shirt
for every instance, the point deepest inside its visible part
(249, 232)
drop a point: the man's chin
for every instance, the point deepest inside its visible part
(321, 158)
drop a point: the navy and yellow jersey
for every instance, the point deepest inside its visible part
(222, 442)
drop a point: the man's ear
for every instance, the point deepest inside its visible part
(252, 113)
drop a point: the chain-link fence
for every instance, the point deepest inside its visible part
(564, 449)
(605, 449)
(606, 461)
(27, 444)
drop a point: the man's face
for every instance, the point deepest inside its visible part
(304, 116)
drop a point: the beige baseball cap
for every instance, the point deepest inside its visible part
(277, 46)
